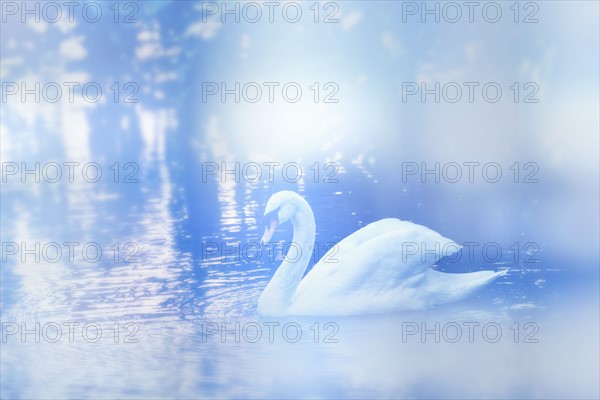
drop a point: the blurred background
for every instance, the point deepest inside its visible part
(143, 164)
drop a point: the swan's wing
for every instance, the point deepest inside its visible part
(369, 232)
(379, 257)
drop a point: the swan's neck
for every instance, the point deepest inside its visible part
(277, 296)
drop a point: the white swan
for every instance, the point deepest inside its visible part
(367, 272)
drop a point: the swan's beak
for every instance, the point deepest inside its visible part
(269, 230)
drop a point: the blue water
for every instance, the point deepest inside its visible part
(168, 304)
(180, 291)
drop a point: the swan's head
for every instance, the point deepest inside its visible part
(281, 207)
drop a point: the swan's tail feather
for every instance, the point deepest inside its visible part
(453, 287)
